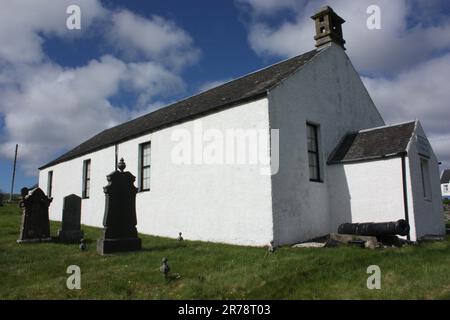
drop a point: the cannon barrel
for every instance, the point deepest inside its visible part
(400, 227)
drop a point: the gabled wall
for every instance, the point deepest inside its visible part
(428, 216)
(326, 91)
(222, 203)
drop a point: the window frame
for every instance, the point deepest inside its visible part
(426, 179)
(86, 179)
(142, 167)
(49, 183)
(316, 153)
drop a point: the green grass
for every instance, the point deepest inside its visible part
(216, 271)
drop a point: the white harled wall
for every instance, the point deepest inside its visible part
(222, 203)
(369, 191)
(428, 215)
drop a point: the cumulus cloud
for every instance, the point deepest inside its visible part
(420, 93)
(154, 38)
(395, 47)
(24, 23)
(54, 107)
(48, 108)
(149, 79)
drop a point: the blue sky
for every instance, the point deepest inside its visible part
(59, 87)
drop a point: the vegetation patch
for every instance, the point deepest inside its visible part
(216, 271)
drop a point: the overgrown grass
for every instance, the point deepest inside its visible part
(216, 271)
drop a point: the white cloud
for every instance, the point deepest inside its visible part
(150, 80)
(54, 107)
(23, 24)
(421, 93)
(48, 108)
(393, 48)
(154, 38)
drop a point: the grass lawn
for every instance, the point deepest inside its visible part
(216, 271)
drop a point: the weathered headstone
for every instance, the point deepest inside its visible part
(119, 221)
(71, 230)
(35, 222)
(23, 193)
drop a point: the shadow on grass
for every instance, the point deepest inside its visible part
(55, 239)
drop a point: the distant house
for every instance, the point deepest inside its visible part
(445, 184)
(336, 160)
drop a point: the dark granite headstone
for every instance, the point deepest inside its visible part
(119, 221)
(71, 230)
(35, 222)
(1, 199)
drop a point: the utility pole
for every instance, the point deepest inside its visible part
(14, 174)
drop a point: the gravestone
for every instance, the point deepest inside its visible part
(70, 230)
(1, 199)
(119, 221)
(35, 225)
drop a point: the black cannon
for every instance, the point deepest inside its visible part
(400, 227)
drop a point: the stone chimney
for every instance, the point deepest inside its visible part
(328, 28)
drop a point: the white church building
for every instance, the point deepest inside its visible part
(330, 158)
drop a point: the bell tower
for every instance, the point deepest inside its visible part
(328, 28)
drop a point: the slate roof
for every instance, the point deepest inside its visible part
(247, 88)
(445, 176)
(373, 143)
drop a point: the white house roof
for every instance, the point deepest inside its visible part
(373, 143)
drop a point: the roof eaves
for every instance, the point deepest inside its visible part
(366, 159)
